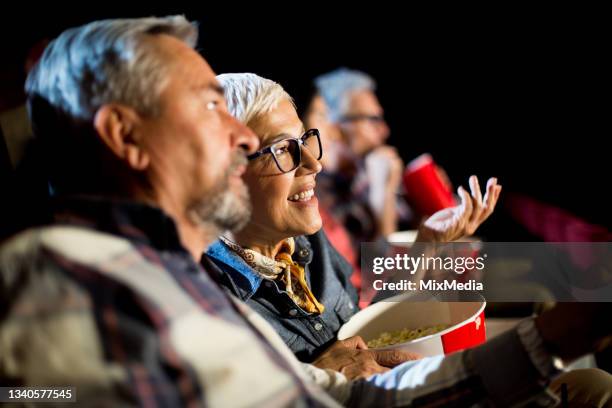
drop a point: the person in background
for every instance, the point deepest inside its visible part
(362, 193)
(316, 116)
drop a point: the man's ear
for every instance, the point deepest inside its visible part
(116, 125)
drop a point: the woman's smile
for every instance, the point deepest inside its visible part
(308, 201)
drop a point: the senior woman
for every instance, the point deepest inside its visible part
(281, 263)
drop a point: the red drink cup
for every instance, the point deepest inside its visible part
(424, 189)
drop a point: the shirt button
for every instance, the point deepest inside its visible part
(318, 326)
(292, 312)
(303, 253)
(268, 284)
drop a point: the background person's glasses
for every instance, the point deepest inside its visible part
(369, 118)
(287, 153)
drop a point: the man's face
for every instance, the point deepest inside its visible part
(197, 149)
(366, 129)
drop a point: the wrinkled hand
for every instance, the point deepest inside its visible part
(453, 223)
(352, 358)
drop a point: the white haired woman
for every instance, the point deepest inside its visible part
(281, 263)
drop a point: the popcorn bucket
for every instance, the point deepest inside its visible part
(465, 321)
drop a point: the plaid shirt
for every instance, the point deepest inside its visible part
(109, 301)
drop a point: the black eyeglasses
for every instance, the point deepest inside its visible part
(287, 153)
(370, 118)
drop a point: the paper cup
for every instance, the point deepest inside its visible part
(424, 189)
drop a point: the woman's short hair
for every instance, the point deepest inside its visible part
(249, 96)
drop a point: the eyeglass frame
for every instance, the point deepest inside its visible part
(300, 141)
(358, 117)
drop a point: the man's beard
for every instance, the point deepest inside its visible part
(224, 208)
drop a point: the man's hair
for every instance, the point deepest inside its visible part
(250, 96)
(335, 87)
(87, 67)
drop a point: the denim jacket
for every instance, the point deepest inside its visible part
(328, 275)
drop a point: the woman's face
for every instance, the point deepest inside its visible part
(284, 204)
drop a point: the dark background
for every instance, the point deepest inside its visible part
(521, 94)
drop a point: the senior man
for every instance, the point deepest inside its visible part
(111, 299)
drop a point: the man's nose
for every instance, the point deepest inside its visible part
(244, 138)
(383, 130)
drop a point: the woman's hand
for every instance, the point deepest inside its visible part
(352, 358)
(453, 223)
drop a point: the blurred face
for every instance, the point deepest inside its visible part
(283, 204)
(197, 150)
(366, 128)
(317, 118)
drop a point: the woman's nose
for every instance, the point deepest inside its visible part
(309, 161)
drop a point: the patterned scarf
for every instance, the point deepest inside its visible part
(283, 270)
